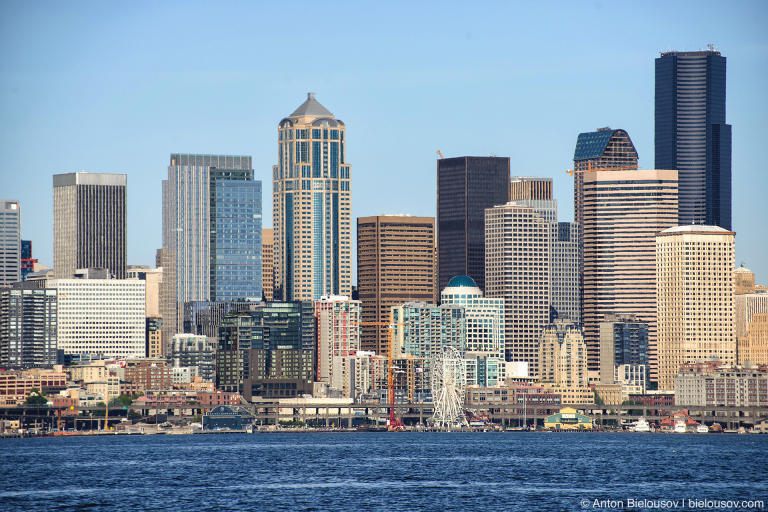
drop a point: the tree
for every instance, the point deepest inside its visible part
(36, 397)
(598, 400)
(123, 399)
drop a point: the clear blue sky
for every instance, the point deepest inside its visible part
(117, 87)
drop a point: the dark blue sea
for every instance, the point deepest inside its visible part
(385, 471)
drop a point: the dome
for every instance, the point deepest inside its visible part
(462, 281)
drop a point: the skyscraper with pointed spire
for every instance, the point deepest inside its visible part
(311, 206)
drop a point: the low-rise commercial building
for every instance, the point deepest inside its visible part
(719, 385)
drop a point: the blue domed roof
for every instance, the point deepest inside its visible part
(462, 281)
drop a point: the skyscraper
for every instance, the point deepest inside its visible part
(691, 133)
(211, 234)
(10, 242)
(694, 266)
(601, 149)
(311, 206)
(518, 255)
(395, 265)
(89, 223)
(565, 263)
(268, 263)
(623, 212)
(566, 271)
(466, 186)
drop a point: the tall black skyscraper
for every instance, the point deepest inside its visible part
(691, 133)
(466, 186)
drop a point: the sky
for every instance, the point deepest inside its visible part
(119, 86)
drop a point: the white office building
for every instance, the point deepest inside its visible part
(101, 316)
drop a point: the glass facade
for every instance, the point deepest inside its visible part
(466, 186)
(691, 134)
(237, 267)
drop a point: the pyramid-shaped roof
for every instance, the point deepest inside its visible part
(311, 107)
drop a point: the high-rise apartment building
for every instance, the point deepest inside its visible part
(623, 212)
(89, 223)
(338, 336)
(563, 361)
(153, 279)
(518, 245)
(466, 186)
(268, 351)
(692, 135)
(268, 263)
(311, 203)
(211, 233)
(28, 326)
(193, 350)
(484, 338)
(604, 148)
(10, 242)
(694, 269)
(395, 265)
(104, 317)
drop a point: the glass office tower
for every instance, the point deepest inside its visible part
(466, 186)
(211, 233)
(691, 133)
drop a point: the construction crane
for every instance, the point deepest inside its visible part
(594, 169)
(440, 154)
(394, 423)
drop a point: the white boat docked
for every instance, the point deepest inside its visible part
(680, 427)
(702, 429)
(641, 426)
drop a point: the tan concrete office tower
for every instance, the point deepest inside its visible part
(623, 212)
(744, 279)
(89, 223)
(530, 188)
(694, 269)
(517, 267)
(311, 206)
(395, 265)
(268, 263)
(601, 149)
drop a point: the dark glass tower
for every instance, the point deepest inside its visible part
(691, 133)
(466, 186)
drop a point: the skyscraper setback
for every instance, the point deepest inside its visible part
(89, 223)
(211, 233)
(692, 135)
(466, 186)
(311, 206)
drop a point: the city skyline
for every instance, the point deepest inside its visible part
(113, 117)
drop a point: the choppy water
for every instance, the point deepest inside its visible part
(378, 471)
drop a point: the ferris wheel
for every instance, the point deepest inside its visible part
(448, 381)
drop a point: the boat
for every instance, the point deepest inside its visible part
(641, 426)
(702, 429)
(680, 427)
